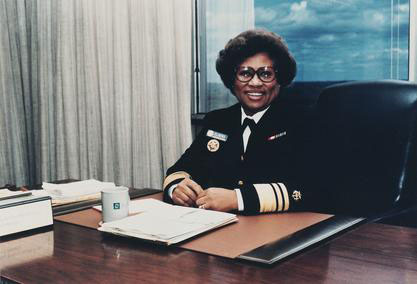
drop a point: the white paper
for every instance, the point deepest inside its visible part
(75, 189)
(153, 225)
(166, 223)
(40, 192)
(150, 204)
(5, 193)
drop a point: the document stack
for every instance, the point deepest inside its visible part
(74, 191)
(166, 224)
(21, 211)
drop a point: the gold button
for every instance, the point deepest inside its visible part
(240, 182)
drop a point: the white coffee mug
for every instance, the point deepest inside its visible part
(115, 203)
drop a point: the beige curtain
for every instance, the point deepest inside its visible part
(113, 82)
(16, 162)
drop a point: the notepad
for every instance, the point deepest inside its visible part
(7, 194)
(165, 223)
(75, 191)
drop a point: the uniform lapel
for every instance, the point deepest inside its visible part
(272, 121)
(233, 129)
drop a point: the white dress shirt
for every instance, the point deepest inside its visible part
(246, 133)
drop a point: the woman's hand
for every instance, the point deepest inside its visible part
(186, 192)
(219, 199)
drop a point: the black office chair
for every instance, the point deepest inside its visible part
(366, 151)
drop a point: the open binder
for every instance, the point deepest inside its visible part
(167, 224)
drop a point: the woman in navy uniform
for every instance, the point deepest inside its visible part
(245, 157)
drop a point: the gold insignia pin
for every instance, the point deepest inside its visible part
(296, 195)
(213, 145)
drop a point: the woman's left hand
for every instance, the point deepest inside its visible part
(219, 199)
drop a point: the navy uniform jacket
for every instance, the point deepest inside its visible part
(270, 172)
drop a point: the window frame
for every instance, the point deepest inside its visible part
(200, 87)
(412, 48)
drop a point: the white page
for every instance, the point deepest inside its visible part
(148, 204)
(159, 221)
(6, 193)
(74, 189)
(153, 225)
(166, 221)
(205, 217)
(153, 205)
(40, 192)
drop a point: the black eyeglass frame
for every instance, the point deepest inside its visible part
(258, 72)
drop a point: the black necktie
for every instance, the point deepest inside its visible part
(248, 122)
(252, 125)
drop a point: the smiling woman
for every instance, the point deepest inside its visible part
(221, 170)
(331, 40)
(254, 93)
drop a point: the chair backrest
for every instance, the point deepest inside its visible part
(367, 147)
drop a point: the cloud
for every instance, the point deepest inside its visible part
(265, 14)
(302, 6)
(374, 19)
(331, 16)
(325, 34)
(299, 14)
(337, 62)
(397, 50)
(403, 8)
(326, 38)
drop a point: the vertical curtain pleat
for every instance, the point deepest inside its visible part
(14, 88)
(106, 89)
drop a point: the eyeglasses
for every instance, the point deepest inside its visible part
(265, 74)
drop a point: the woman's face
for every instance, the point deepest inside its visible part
(256, 95)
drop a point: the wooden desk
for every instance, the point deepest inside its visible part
(372, 253)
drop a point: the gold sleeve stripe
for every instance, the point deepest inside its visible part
(262, 192)
(278, 199)
(261, 196)
(266, 197)
(272, 204)
(285, 194)
(174, 176)
(279, 196)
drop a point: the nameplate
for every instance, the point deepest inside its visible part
(217, 135)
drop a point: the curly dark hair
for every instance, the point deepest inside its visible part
(249, 43)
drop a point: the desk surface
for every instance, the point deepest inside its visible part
(372, 253)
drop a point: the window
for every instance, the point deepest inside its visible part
(331, 40)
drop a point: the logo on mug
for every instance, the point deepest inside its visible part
(116, 205)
